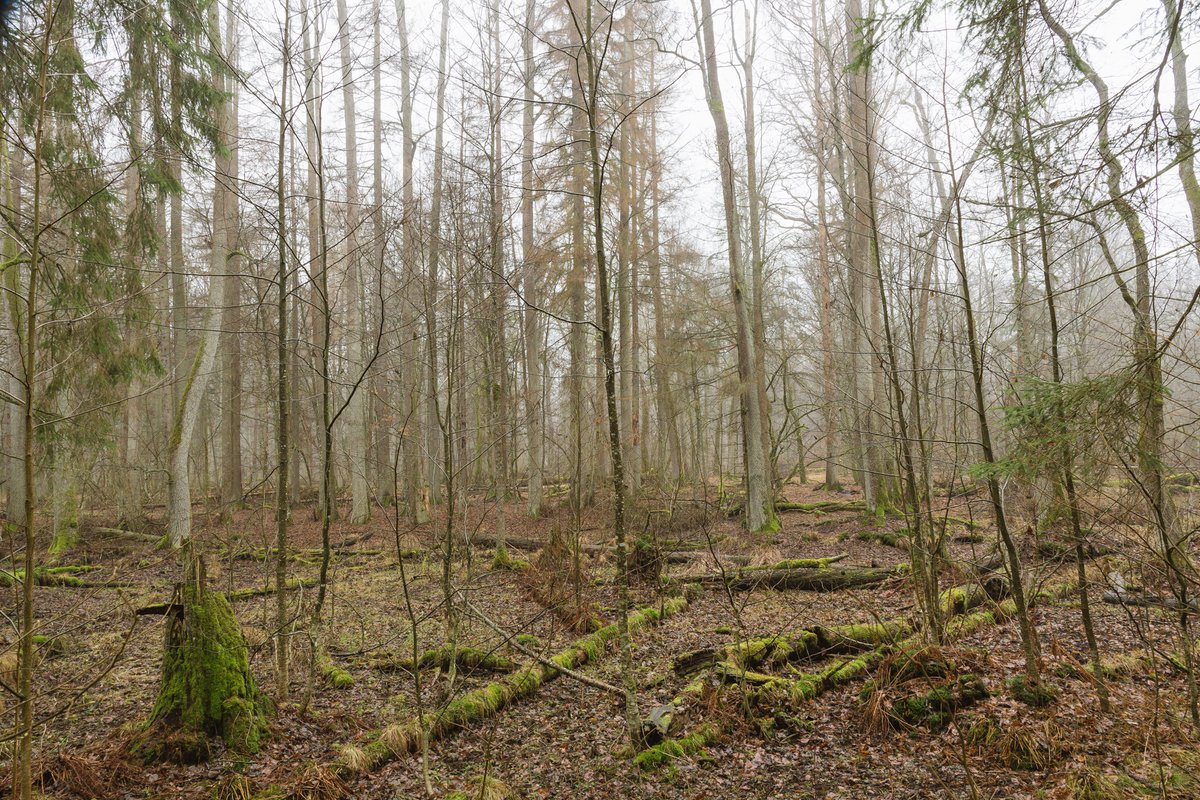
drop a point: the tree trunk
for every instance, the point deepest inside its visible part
(356, 403)
(532, 274)
(225, 235)
(760, 515)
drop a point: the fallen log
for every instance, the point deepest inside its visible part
(811, 580)
(1127, 598)
(65, 576)
(121, 533)
(813, 642)
(533, 545)
(801, 687)
(171, 607)
(469, 659)
(405, 736)
(822, 506)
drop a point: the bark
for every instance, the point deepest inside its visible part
(664, 396)
(1028, 632)
(1067, 466)
(23, 753)
(591, 93)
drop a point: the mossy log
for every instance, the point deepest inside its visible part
(680, 556)
(668, 751)
(471, 659)
(897, 539)
(62, 576)
(334, 675)
(800, 563)
(817, 641)
(812, 580)
(821, 506)
(1058, 549)
(961, 599)
(313, 554)
(489, 700)
(1127, 598)
(237, 594)
(207, 686)
(994, 614)
(121, 533)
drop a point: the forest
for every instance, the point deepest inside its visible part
(507, 399)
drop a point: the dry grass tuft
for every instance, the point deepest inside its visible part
(318, 783)
(1031, 747)
(354, 758)
(397, 739)
(234, 786)
(487, 788)
(1091, 784)
(876, 710)
(79, 775)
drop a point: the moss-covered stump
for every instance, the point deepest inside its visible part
(961, 599)
(207, 687)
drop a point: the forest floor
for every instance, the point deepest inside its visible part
(566, 739)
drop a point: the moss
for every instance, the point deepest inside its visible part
(244, 726)
(794, 563)
(771, 525)
(502, 560)
(528, 640)
(471, 658)
(936, 708)
(60, 645)
(668, 751)
(48, 576)
(886, 538)
(335, 676)
(207, 686)
(1034, 694)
